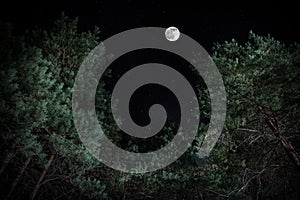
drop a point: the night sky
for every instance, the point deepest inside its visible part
(206, 25)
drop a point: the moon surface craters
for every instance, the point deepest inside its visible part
(172, 33)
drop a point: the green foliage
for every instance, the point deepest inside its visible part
(36, 80)
(260, 79)
(36, 89)
(91, 187)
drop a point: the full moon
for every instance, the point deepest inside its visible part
(172, 33)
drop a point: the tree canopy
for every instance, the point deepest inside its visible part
(42, 157)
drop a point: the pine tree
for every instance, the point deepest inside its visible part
(42, 156)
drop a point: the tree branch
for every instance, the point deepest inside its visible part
(38, 184)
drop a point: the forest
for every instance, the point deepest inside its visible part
(41, 156)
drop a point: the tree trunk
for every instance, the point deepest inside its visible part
(20, 174)
(290, 149)
(38, 184)
(287, 145)
(6, 160)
